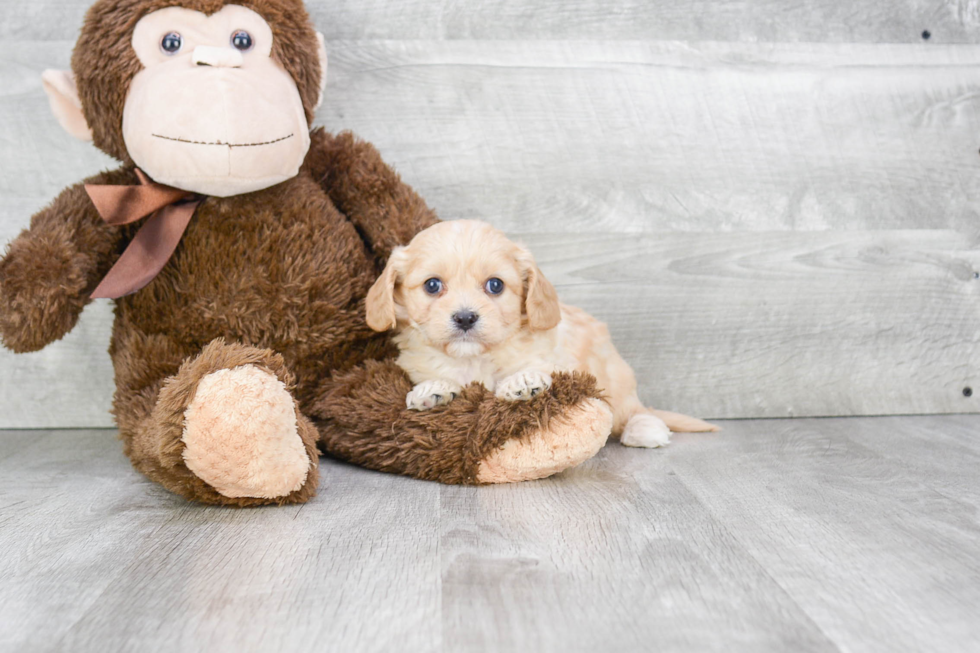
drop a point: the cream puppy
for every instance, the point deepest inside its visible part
(471, 306)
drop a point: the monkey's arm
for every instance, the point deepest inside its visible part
(384, 209)
(49, 270)
(474, 439)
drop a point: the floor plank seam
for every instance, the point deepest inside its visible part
(746, 551)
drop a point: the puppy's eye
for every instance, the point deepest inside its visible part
(494, 286)
(171, 43)
(433, 286)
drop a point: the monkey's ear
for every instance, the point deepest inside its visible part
(67, 108)
(322, 51)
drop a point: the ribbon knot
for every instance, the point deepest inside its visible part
(170, 210)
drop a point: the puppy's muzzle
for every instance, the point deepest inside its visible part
(465, 319)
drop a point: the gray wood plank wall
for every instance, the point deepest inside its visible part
(859, 21)
(772, 204)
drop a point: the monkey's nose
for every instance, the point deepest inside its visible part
(465, 319)
(206, 55)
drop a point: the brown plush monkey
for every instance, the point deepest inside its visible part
(239, 247)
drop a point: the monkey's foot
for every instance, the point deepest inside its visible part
(241, 435)
(566, 441)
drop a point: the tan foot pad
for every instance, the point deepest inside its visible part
(569, 440)
(241, 436)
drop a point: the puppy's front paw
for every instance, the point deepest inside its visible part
(430, 394)
(523, 386)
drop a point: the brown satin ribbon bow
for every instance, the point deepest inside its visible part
(155, 242)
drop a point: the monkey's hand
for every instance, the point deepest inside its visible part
(48, 271)
(41, 284)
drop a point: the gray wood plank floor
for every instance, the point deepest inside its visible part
(856, 534)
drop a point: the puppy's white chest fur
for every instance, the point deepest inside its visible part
(432, 363)
(539, 351)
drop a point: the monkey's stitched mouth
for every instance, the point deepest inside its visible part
(184, 140)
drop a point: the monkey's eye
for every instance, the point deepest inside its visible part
(494, 286)
(242, 40)
(171, 43)
(433, 286)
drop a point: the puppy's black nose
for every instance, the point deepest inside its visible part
(465, 319)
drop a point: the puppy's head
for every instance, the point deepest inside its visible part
(464, 287)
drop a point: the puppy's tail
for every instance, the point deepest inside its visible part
(647, 427)
(683, 423)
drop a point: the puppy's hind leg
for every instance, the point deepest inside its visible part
(634, 425)
(645, 430)
(646, 427)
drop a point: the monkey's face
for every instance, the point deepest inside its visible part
(212, 111)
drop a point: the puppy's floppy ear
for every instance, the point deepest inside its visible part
(540, 298)
(381, 298)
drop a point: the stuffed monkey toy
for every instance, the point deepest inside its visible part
(238, 246)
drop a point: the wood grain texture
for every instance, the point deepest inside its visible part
(863, 21)
(644, 137)
(597, 136)
(93, 557)
(869, 546)
(71, 515)
(615, 555)
(784, 324)
(947, 453)
(847, 167)
(69, 384)
(352, 570)
(719, 325)
(854, 535)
